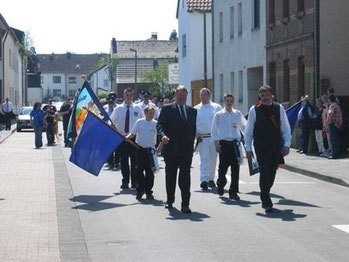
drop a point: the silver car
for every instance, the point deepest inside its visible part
(23, 121)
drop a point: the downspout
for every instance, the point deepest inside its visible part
(316, 49)
(213, 65)
(2, 95)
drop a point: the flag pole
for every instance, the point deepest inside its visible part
(113, 128)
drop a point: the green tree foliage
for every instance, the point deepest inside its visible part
(112, 63)
(102, 95)
(157, 78)
(27, 47)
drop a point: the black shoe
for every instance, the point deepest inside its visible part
(268, 207)
(168, 206)
(185, 210)
(150, 196)
(139, 195)
(204, 185)
(220, 190)
(299, 150)
(124, 186)
(234, 196)
(211, 184)
(134, 185)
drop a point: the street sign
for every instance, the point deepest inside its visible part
(173, 74)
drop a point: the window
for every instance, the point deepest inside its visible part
(272, 76)
(241, 86)
(0, 48)
(105, 83)
(41, 79)
(72, 80)
(232, 79)
(286, 95)
(256, 14)
(300, 6)
(231, 22)
(271, 11)
(56, 79)
(57, 92)
(184, 45)
(221, 27)
(72, 93)
(10, 58)
(301, 77)
(240, 19)
(285, 8)
(221, 88)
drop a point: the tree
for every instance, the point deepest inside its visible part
(158, 79)
(102, 95)
(27, 48)
(173, 36)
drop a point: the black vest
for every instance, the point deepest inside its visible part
(266, 133)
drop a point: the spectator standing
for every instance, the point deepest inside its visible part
(318, 126)
(65, 111)
(37, 121)
(7, 108)
(334, 122)
(305, 115)
(49, 120)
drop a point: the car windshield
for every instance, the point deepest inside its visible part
(25, 111)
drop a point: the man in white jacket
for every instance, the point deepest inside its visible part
(206, 148)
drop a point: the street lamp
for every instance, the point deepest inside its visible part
(205, 45)
(135, 51)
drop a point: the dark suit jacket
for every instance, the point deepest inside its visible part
(181, 133)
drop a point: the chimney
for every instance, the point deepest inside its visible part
(154, 35)
(114, 46)
(68, 55)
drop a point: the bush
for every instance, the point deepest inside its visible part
(102, 95)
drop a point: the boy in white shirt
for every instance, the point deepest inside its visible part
(226, 130)
(145, 132)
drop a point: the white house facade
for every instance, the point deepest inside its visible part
(100, 80)
(239, 50)
(190, 15)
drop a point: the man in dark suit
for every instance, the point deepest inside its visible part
(177, 128)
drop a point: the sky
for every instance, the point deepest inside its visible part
(87, 26)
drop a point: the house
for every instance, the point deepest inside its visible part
(100, 80)
(195, 46)
(290, 49)
(239, 50)
(135, 57)
(12, 75)
(61, 74)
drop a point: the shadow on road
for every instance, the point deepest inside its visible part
(175, 214)
(284, 215)
(93, 203)
(241, 202)
(153, 202)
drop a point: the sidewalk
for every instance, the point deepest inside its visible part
(28, 212)
(333, 171)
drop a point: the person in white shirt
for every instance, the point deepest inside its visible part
(269, 130)
(7, 108)
(227, 127)
(123, 118)
(146, 132)
(205, 145)
(146, 102)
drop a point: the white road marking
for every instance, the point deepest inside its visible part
(305, 183)
(344, 228)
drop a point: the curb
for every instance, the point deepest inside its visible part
(322, 177)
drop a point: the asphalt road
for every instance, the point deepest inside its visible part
(117, 227)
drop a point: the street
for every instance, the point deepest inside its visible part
(89, 218)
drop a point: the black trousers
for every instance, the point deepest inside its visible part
(268, 161)
(128, 152)
(145, 181)
(8, 121)
(228, 159)
(50, 133)
(114, 158)
(305, 133)
(173, 163)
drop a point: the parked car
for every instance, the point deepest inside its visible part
(23, 121)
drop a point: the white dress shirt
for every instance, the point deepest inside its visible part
(7, 107)
(228, 125)
(142, 105)
(119, 116)
(284, 128)
(205, 116)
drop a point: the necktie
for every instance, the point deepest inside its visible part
(127, 120)
(8, 108)
(182, 113)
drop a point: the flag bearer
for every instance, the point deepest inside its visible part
(146, 159)
(205, 145)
